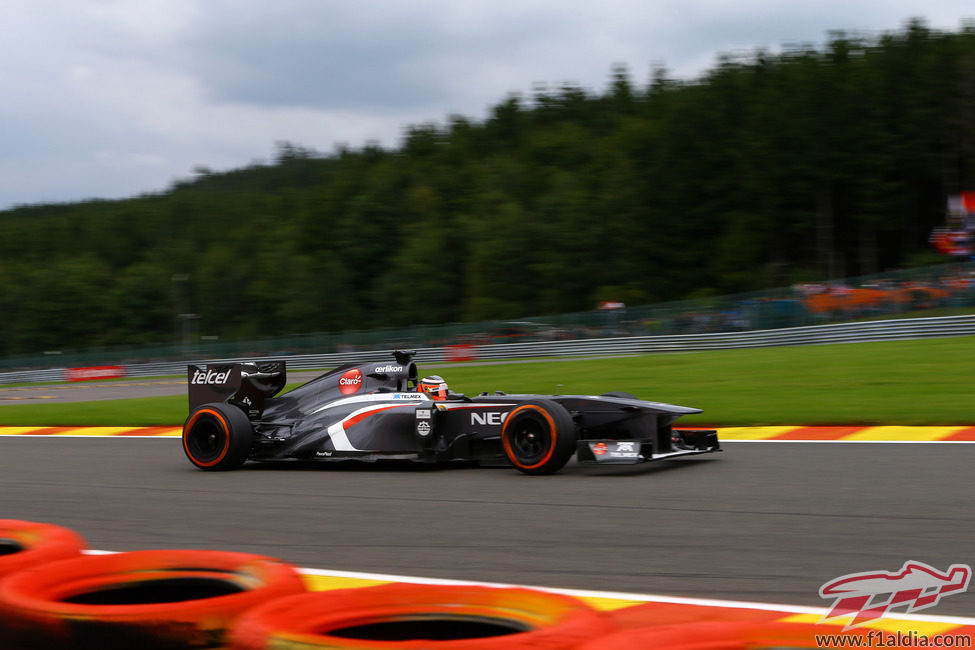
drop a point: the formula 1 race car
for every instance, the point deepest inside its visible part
(374, 411)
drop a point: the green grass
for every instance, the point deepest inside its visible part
(926, 382)
(143, 411)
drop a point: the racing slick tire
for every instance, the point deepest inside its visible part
(150, 600)
(217, 436)
(421, 616)
(539, 437)
(26, 544)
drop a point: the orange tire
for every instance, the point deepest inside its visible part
(653, 614)
(415, 616)
(538, 437)
(26, 544)
(149, 600)
(808, 635)
(691, 636)
(217, 437)
(733, 635)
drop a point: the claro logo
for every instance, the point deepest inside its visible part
(210, 377)
(350, 382)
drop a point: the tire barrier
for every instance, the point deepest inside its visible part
(54, 597)
(804, 635)
(421, 616)
(149, 600)
(729, 634)
(25, 544)
(695, 627)
(699, 636)
(653, 614)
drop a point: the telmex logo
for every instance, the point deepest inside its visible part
(350, 382)
(210, 377)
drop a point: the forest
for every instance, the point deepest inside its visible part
(772, 168)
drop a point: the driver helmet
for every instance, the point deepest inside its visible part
(434, 387)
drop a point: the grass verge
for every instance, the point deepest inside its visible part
(926, 382)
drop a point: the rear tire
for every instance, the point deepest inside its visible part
(539, 437)
(217, 437)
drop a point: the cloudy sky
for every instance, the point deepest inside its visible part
(115, 98)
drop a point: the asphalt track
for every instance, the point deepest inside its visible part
(763, 521)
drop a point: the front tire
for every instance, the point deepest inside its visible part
(217, 437)
(539, 437)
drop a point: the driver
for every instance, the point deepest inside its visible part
(434, 387)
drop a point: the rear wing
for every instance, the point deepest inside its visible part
(245, 384)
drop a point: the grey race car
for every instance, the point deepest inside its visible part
(373, 411)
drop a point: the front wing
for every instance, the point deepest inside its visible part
(631, 452)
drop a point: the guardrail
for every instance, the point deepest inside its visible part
(862, 332)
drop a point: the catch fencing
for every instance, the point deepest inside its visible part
(861, 332)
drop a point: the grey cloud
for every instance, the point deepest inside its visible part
(115, 98)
